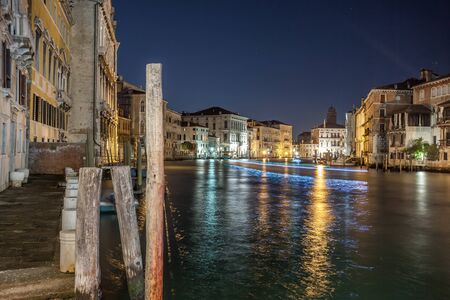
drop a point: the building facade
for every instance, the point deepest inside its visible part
(94, 112)
(172, 133)
(434, 92)
(329, 137)
(229, 127)
(16, 58)
(194, 140)
(350, 133)
(131, 101)
(306, 148)
(372, 119)
(407, 125)
(49, 95)
(285, 148)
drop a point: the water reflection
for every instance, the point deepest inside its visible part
(316, 262)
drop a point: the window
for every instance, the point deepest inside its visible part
(225, 124)
(433, 92)
(445, 90)
(36, 46)
(44, 59)
(3, 138)
(193, 137)
(214, 126)
(382, 98)
(422, 94)
(142, 106)
(382, 113)
(382, 127)
(225, 137)
(439, 91)
(50, 56)
(6, 68)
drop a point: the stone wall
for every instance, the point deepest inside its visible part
(52, 158)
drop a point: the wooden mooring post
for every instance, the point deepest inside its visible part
(87, 264)
(129, 233)
(155, 184)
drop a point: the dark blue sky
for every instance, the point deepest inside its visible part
(286, 60)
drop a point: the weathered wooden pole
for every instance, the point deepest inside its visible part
(139, 165)
(155, 184)
(87, 264)
(129, 233)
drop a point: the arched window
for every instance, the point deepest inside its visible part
(142, 130)
(142, 106)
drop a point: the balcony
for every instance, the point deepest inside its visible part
(64, 100)
(443, 120)
(444, 143)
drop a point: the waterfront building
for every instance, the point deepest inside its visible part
(49, 95)
(172, 133)
(253, 140)
(194, 140)
(265, 140)
(229, 127)
(284, 148)
(16, 57)
(350, 133)
(407, 125)
(94, 76)
(329, 136)
(131, 101)
(124, 134)
(434, 91)
(371, 141)
(306, 148)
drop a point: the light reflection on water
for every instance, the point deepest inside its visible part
(274, 232)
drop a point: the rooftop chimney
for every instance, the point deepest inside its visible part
(426, 75)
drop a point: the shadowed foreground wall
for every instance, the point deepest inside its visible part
(52, 158)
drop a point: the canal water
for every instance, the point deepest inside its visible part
(279, 230)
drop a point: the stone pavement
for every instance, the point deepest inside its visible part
(29, 251)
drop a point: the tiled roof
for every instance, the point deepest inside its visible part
(404, 85)
(215, 110)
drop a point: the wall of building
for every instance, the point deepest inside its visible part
(52, 158)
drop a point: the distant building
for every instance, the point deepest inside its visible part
(350, 133)
(229, 127)
(131, 101)
(329, 136)
(306, 148)
(407, 125)
(194, 140)
(434, 92)
(372, 118)
(172, 133)
(16, 57)
(284, 148)
(265, 142)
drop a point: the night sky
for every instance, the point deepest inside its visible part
(285, 60)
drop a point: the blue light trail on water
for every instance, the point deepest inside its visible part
(274, 164)
(344, 185)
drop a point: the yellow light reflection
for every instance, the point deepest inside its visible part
(316, 264)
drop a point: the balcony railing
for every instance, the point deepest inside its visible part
(443, 120)
(445, 143)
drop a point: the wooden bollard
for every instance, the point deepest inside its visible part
(87, 264)
(155, 184)
(129, 233)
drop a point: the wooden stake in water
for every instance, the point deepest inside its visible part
(129, 233)
(87, 264)
(155, 184)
